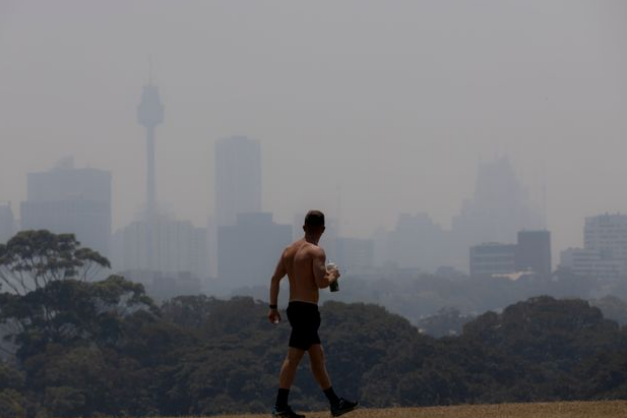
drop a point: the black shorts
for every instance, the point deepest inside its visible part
(305, 320)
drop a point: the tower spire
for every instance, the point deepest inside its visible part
(150, 69)
(149, 115)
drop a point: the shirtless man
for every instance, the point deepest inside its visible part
(304, 263)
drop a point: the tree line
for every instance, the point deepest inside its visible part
(75, 347)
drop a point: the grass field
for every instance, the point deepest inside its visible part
(613, 409)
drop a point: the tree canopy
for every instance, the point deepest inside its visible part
(32, 259)
(105, 348)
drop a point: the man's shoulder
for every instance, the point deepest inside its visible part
(314, 250)
(296, 247)
(305, 247)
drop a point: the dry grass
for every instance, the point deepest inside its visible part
(613, 409)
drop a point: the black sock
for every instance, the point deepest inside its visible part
(331, 396)
(281, 398)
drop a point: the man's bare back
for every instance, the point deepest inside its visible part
(305, 266)
(303, 261)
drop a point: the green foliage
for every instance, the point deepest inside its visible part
(105, 348)
(32, 259)
(189, 311)
(539, 350)
(12, 404)
(12, 382)
(68, 311)
(425, 295)
(10, 377)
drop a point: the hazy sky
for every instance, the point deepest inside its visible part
(377, 107)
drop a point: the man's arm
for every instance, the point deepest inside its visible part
(279, 273)
(323, 277)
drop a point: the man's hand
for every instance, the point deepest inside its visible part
(333, 273)
(274, 316)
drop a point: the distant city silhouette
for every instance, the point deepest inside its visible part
(171, 256)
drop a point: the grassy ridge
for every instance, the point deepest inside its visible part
(605, 409)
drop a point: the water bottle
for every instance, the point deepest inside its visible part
(334, 286)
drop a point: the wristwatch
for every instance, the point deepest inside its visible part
(275, 307)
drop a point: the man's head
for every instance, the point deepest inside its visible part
(314, 222)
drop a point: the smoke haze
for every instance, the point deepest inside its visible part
(365, 109)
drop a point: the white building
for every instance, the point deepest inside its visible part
(607, 234)
(604, 255)
(588, 263)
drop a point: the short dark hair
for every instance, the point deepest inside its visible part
(314, 218)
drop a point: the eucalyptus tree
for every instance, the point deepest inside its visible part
(33, 259)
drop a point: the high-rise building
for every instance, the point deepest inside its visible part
(176, 247)
(604, 255)
(238, 178)
(531, 255)
(492, 259)
(607, 234)
(249, 250)
(533, 252)
(588, 263)
(499, 208)
(7, 223)
(70, 200)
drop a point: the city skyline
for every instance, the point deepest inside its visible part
(64, 191)
(426, 243)
(389, 117)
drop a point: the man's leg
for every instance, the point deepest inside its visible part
(289, 367)
(339, 406)
(286, 378)
(318, 367)
(319, 370)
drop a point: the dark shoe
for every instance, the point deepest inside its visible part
(285, 413)
(342, 407)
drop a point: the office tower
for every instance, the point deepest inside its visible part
(607, 234)
(249, 250)
(176, 247)
(149, 115)
(533, 252)
(498, 209)
(492, 259)
(7, 223)
(604, 255)
(238, 178)
(588, 263)
(70, 200)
